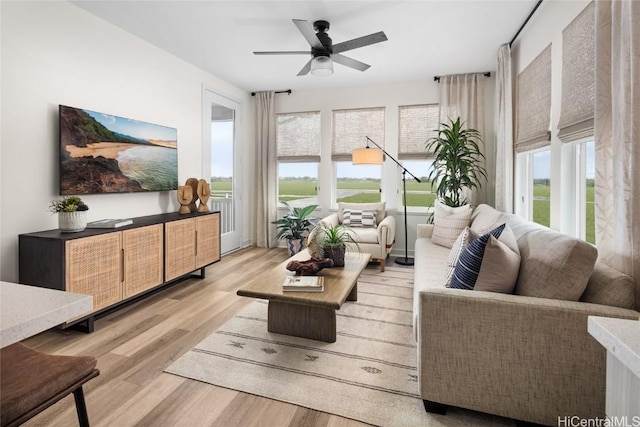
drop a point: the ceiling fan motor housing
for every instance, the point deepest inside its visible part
(321, 28)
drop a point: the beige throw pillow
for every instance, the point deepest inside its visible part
(448, 223)
(499, 269)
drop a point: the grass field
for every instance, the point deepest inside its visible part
(542, 208)
(292, 189)
(298, 188)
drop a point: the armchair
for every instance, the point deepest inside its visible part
(375, 240)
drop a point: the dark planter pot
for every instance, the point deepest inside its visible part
(336, 253)
(295, 246)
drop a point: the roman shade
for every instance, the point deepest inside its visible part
(534, 104)
(578, 78)
(416, 124)
(350, 129)
(298, 136)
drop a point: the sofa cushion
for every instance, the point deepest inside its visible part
(609, 287)
(485, 218)
(380, 209)
(448, 223)
(359, 218)
(364, 234)
(468, 267)
(429, 271)
(553, 265)
(499, 269)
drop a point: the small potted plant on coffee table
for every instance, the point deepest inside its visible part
(333, 242)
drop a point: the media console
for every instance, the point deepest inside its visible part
(116, 266)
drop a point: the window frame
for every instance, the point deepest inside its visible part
(524, 182)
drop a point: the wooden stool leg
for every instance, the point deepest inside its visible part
(81, 407)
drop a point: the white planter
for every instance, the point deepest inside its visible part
(71, 222)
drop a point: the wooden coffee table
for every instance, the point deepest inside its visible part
(307, 314)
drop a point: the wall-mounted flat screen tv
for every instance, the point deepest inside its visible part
(103, 153)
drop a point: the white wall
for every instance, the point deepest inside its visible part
(545, 28)
(56, 53)
(389, 96)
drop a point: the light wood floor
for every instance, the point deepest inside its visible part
(133, 346)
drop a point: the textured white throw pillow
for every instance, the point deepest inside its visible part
(448, 223)
(463, 240)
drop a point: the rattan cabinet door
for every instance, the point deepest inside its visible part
(92, 267)
(142, 249)
(179, 248)
(208, 240)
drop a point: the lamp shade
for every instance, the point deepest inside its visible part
(321, 66)
(367, 156)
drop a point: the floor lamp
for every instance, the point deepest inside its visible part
(373, 156)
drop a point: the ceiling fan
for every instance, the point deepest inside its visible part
(324, 52)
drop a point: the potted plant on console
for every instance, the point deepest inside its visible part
(294, 227)
(72, 214)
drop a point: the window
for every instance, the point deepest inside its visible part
(358, 184)
(419, 194)
(585, 155)
(541, 201)
(222, 159)
(534, 186)
(350, 129)
(416, 124)
(298, 151)
(298, 183)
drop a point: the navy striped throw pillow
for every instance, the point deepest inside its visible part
(466, 272)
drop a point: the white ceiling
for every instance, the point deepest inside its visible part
(426, 38)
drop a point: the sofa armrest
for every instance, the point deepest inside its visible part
(331, 220)
(425, 230)
(491, 352)
(387, 230)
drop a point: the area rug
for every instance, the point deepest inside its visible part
(368, 374)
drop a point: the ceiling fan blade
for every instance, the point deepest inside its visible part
(349, 62)
(305, 70)
(289, 52)
(360, 42)
(307, 32)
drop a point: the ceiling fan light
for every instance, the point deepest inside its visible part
(321, 66)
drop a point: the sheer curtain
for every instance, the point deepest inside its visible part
(266, 169)
(504, 132)
(617, 130)
(462, 95)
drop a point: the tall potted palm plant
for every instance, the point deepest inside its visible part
(458, 162)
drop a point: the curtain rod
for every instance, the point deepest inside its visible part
(288, 92)
(525, 22)
(486, 74)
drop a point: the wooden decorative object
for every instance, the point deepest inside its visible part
(309, 267)
(204, 191)
(185, 195)
(193, 183)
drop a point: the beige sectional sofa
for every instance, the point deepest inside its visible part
(527, 355)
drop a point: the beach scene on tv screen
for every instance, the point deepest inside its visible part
(103, 153)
